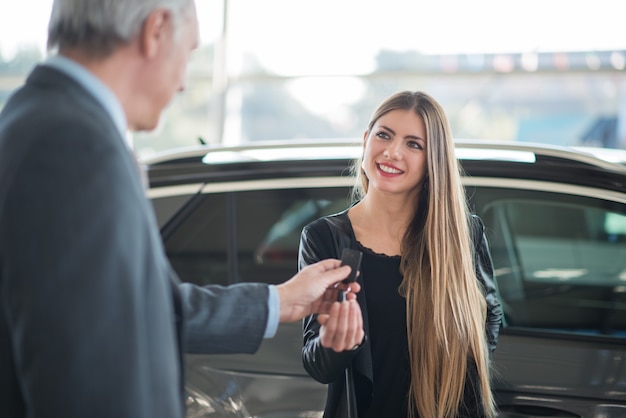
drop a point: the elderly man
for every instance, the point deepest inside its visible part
(93, 321)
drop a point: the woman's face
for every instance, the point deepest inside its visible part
(394, 156)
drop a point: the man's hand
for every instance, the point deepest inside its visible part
(314, 290)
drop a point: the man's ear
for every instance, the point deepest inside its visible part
(154, 32)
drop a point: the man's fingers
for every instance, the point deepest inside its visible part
(326, 305)
(329, 264)
(331, 271)
(336, 276)
(330, 274)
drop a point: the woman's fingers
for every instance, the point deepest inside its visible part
(342, 328)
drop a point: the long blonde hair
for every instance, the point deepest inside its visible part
(446, 308)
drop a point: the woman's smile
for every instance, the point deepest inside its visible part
(389, 170)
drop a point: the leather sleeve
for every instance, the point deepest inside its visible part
(323, 364)
(486, 277)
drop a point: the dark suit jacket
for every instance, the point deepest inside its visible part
(349, 373)
(93, 320)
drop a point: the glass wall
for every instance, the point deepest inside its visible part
(278, 69)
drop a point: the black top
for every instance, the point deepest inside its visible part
(389, 342)
(388, 337)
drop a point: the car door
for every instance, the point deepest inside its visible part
(559, 253)
(249, 232)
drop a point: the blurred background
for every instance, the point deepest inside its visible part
(535, 71)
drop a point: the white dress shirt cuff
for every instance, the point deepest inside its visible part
(273, 317)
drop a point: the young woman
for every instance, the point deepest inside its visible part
(431, 315)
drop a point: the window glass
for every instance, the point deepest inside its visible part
(562, 109)
(269, 223)
(560, 260)
(262, 229)
(198, 244)
(615, 224)
(166, 207)
(258, 75)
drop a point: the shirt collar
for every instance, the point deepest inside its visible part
(95, 87)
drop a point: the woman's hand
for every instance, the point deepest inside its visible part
(342, 328)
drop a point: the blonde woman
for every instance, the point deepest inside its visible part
(431, 315)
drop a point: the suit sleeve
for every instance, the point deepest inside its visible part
(486, 277)
(323, 364)
(223, 320)
(85, 287)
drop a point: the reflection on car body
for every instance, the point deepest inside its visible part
(556, 223)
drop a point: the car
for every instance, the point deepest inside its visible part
(555, 220)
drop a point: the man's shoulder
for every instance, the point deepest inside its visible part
(50, 107)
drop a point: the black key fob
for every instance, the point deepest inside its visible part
(353, 259)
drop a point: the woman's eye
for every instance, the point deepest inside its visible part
(382, 135)
(414, 144)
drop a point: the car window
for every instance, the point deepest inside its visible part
(197, 240)
(560, 260)
(247, 236)
(269, 223)
(166, 207)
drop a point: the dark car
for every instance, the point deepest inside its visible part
(555, 220)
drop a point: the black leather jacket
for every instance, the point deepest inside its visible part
(326, 238)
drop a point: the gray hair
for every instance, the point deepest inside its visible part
(98, 26)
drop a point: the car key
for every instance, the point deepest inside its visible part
(351, 258)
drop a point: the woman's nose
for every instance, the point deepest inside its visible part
(392, 151)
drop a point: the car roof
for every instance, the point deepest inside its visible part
(595, 167)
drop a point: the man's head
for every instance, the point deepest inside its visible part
(140, 48)
(98, 26)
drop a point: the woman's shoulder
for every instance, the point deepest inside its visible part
(336, 225)
(477, 227)
(334, 220)
(328, 235)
